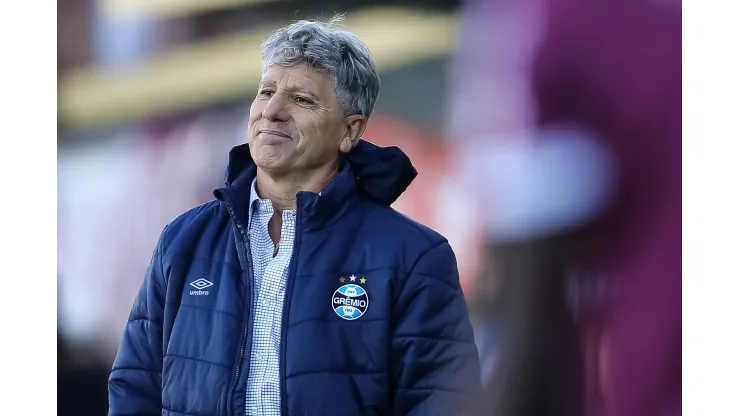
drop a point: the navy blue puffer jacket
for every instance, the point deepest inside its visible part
(410, 353)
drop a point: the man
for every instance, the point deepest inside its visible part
(298, 290)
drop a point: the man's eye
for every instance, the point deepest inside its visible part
(303, 100)
(266, 93)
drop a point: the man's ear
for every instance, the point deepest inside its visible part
(354, 126)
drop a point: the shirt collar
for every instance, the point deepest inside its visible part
(254, 200)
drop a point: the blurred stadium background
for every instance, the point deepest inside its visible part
(152, 94)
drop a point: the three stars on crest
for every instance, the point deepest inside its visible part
(353, 278)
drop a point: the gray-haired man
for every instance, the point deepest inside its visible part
(298, 290)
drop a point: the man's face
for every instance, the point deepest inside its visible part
(295, 123)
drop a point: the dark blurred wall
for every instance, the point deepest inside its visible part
(82, 386)
(74, 19)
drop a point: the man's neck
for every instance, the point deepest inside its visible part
(282, 190)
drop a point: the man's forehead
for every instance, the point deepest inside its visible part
(299, 77)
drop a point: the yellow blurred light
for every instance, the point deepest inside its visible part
(169, 8)
(229, 67)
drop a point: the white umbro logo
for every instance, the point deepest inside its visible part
(200, 284)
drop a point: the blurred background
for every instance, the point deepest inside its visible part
(547, 137)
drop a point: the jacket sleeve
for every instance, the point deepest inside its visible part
(435, 360)
(135, 383)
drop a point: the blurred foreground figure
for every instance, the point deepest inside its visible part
(298, 290)
(573, 142)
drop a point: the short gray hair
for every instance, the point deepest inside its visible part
(329, 47)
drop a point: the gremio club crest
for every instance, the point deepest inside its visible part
(350, 301)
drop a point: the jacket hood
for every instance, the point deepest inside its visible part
(380, 173)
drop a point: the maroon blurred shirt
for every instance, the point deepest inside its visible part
(615, 67)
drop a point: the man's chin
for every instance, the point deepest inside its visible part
(275, 167)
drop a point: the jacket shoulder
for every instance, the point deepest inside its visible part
(189, 224)
(405, 227)
(402, 237)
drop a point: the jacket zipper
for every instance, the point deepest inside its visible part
(286, 309)
(246, 255)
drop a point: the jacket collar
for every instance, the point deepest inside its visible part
(380, 174)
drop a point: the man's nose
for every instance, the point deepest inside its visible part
(275, 109)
